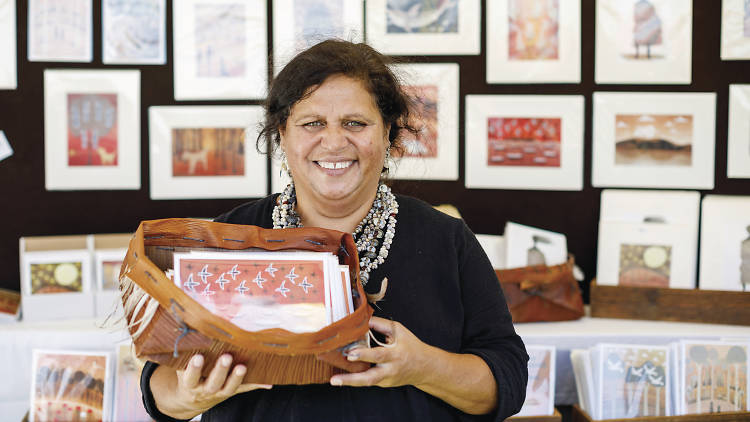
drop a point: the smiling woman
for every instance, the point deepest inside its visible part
(450, 351)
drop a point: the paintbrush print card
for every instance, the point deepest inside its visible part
(735, 30)
(713, 377)
(70, 386)
(540, 389)
(134, 31)
(632, 381)
(260, 290)
(60, 31)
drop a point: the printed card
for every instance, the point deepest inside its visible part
(713, 377)
(540, 390)
(128, 404)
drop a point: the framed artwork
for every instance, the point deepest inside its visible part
(529, 246)
(524, 142)
(646, 254)
(738, 148)
(134, 32)
(651, 206)
(92, 129)
(725, 243)
(654, 140)
(420, 27)
(108, 263)
(60, 31)
(540, 389)
(8, 65)
(85, 394)
(220, 50)
(432, 152)
(127, 405)
(643, 42)
(735, 30)
(299, 24)
(56, 272)
(534, 41)
(200, 152)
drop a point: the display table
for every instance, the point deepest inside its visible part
(18, 340)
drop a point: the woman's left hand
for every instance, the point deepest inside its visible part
(399, 362)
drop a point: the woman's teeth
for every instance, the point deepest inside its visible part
(334, 166)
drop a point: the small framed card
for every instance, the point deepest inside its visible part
(92, 137)
(128, 402)
(655, 206)
(524, 142)
(134, 32)
(8, 65)
(534, 41)
(714, 377)
(646, 254)
(107, 263)
(540, 389)
(70, 386)
(60, 31)
(299, 24)
(220, 50)
(424, 27)
(643, 42)
(654, 140)
(738, 149)
(725, 243)
(735, 30)
(206, 152)
(527, 246)
(431, 153)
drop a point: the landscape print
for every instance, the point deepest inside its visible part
(645, 265)
(422, 16)
(208, 152)
(92, 129)
(424, 106)
(653, 139)
(63, 277)
(533, 29)
(715, 378)
(633, 382)
(523, 141)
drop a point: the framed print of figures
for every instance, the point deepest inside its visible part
(60, 31)
(735, 30)
(725, 243)
(134, 31)
(92, 129)
(299, 24)
(8, 72)
(220, 50)
(654, 140)
(643, 41)
(534, 41)
(409, 27)
(432, 152)
(738, 149)
(524, 142)
(199, 152)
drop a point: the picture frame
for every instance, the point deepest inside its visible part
(540, 389)
(654, 140)
(725, 248)
(646, 255)
(660, 206)
(735, 30)
(107, 263)
(530, 246)
(503, 153)
(448, 28)
(663, 28)
(299, 24)
(92, 150)
(134, 33)
(738, 141)
(60, 31)
(8, 63)
(202, 152)
(533, 41)
(228, 57)
(431, 154)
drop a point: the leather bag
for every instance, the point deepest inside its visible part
(180, 327)
(542, 293)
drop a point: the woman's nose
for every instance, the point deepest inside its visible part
(334, 138)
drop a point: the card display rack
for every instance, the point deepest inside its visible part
(580, 415)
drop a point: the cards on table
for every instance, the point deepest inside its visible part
(296, 291)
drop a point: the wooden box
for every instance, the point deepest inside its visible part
(556, 417)
(687, 305)
(580, 415)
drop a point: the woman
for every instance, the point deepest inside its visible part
(335, 111)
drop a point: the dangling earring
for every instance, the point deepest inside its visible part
(284, 166)
(386, 164)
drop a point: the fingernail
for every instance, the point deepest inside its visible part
(226, 360)
(336, 381)
(240, 370)
(197, 361)
(352, 356)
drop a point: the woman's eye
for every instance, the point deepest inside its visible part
(313, 124)
(355, 124)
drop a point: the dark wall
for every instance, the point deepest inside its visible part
(29, 210)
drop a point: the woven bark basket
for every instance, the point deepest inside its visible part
(169, 327)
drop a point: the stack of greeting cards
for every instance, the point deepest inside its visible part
(297, 291)
(540, 390)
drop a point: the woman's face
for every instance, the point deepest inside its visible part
(335, 142)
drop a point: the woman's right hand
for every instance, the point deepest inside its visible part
(183, 394)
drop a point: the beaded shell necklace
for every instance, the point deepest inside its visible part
(377, 229)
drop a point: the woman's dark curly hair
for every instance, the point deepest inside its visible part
(313, 66)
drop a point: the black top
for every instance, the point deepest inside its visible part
(442, 287)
